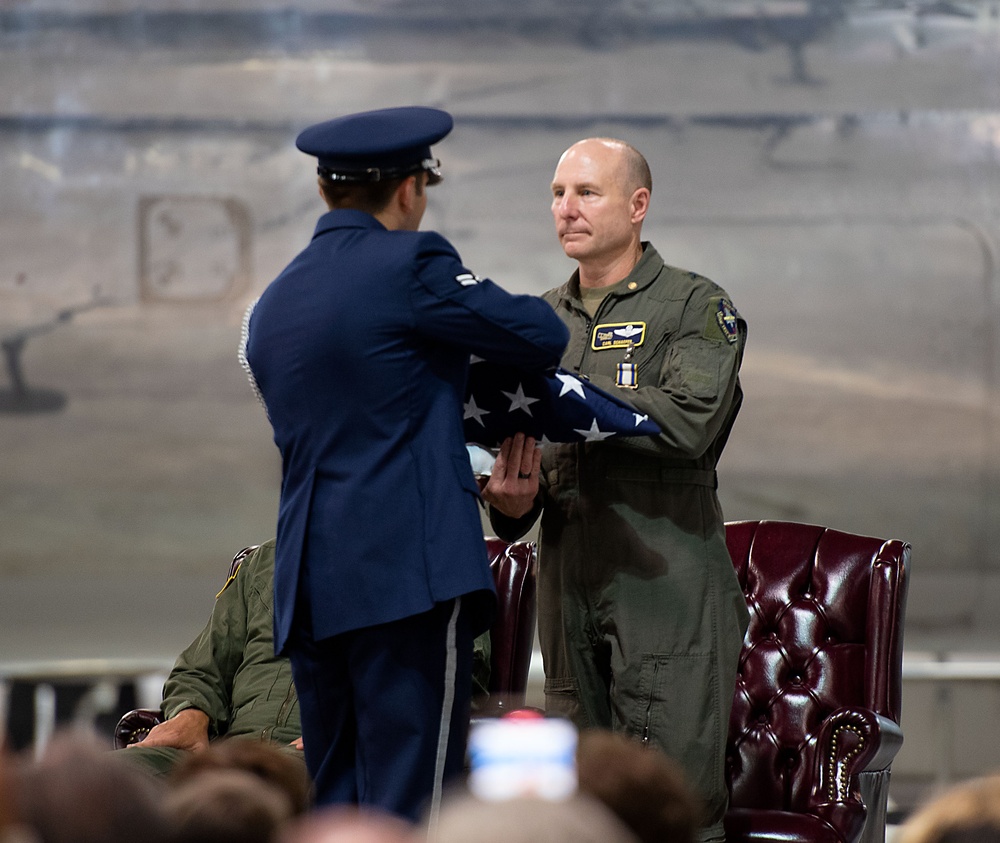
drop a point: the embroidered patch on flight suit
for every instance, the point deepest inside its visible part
(617, 335)
(229, 582)
(723, 322)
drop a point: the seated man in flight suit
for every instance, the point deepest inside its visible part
(228, 682)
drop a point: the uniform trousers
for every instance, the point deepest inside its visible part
(640, 615)
(385, 709)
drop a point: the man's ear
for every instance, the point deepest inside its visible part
(639, 204)
(322, 195)
(406, 194)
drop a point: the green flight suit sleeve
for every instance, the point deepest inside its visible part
(481, 653)
(203, 674)
(697, 384)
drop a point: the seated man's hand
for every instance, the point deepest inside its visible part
(188, 729)
(513, 483)
(297, 743)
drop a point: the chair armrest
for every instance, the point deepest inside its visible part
(890, 739)
(850, 742)
(135, 725)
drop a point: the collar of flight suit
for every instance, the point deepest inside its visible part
(644, 273)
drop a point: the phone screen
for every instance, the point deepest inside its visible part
(523, 758)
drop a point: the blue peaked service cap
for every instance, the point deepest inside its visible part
(560, 406)
(371, 146)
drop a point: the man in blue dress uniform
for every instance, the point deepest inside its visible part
(359, 351)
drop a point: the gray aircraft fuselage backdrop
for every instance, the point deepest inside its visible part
(835, 168)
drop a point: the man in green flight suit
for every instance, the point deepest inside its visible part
(228, 682)
(641, 618)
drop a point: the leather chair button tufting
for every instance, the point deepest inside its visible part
(792, 764)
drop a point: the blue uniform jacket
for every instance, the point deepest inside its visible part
(359, 351)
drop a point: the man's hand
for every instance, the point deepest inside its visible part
(298, 744)
(188, 729)
(514, 482)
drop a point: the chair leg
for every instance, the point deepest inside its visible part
(875, 794)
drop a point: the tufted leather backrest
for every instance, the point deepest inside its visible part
(825, 633)
(513, 633)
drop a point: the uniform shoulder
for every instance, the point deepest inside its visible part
(693, 280)
(264, 553)
(257, 557)
(426, 247)
(252, 564)
(693, 286)
(427, 240)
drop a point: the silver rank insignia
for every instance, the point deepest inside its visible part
(626, 377)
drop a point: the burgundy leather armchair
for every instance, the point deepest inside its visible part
(815, 720)
(511, 636)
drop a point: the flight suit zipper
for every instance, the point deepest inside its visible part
(649, 704)
(588, 323)
(608, 303)
(286, 705)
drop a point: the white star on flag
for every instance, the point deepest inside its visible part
(474, 412)
(520, 401)
(595, 434)
(551, 414)
(570, 384)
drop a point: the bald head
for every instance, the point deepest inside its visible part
(600, 195)
(633, 169)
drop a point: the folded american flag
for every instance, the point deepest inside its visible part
(557, 407)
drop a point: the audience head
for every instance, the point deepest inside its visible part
(349, 825)
(966, 813)
(226, 806)
(578, 819)
(77, 792)
(262, 759)
(243, 791)
(640, 784)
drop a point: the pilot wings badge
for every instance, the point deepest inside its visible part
(618, 335)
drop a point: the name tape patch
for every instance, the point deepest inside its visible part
(618, 335)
